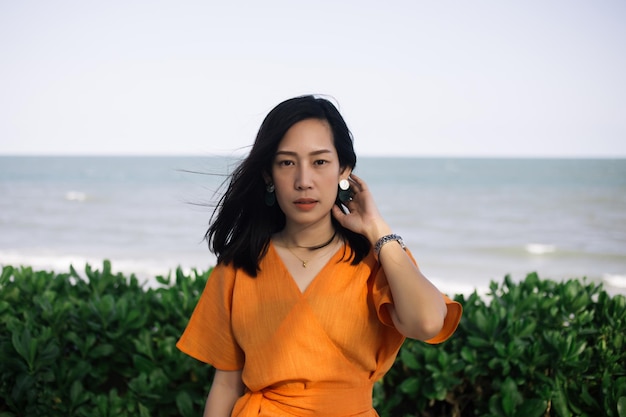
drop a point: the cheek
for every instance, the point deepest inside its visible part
(283, 190)
(332, 186)
(282, 185)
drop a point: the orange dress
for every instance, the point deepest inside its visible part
(311, 353)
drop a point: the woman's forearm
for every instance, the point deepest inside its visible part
(227, 387)
(418, 308)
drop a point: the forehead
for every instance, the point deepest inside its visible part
(308, 134)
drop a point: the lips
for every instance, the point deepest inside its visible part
(305, 203)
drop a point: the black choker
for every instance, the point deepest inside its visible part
(323, 245)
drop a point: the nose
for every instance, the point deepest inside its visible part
(303, 178)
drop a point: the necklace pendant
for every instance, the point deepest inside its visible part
(304, 264)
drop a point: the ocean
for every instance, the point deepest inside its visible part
(467, 221)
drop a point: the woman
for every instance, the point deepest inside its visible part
(312, 294)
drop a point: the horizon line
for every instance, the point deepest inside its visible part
(364, 155)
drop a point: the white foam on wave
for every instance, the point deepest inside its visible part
(453, 287)
(76, 196)
(615, 280)
(56, 262)
(539, 248)
(145, 270)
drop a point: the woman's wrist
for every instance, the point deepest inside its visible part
(377, 231)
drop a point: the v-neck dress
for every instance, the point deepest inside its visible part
(315, 352)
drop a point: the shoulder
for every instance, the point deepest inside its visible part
(227, 276)
(223, 271)
(222, 279)
(365, 270)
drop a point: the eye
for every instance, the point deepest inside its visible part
(284, 162)
(320, 162)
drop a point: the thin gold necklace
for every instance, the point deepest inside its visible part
(299, 258)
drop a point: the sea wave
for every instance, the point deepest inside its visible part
(144, 269)
(551, 251)
(539, 248)
(615, 280)
(78, 196)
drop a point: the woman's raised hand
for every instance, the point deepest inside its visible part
(363, 216)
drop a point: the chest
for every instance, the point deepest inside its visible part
(335, 303)
(304, 266)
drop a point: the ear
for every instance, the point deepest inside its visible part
(267, 178)
(345, 172)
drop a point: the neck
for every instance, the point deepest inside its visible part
(308, 239)
(321, 245)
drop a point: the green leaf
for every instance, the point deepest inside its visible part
(7, 271)
(409, 360)
(587, 398)
(560, 403)
(106, 267)
(621, 407)
(49, 354)
(477, 341)
(4, 306)
(143, 364)
(102, 405)
(24, 383)
(25, 346)
(184, 404)
(102, 350)
(410, 386)
(163, 280)
(76, 393)
(482, 322)
(510, 396)
(532, 408)
(145, 411)
(468, 355)
(79, 370)
(135, 319)
(527, 330)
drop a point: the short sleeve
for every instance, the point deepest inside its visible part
(450, 323)
(382, 296)
(208, 336)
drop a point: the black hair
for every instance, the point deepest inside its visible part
(242, 224)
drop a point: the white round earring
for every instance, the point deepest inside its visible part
(344, 184)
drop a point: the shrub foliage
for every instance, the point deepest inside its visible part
(101, 344)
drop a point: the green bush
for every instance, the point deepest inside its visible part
(101, 344)
(534, 348)
(98, 346)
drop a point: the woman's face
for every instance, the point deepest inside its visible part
(306, 172)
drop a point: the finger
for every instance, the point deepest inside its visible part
(339, 215)
(358, 181)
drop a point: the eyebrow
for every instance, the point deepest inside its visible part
(314, 153)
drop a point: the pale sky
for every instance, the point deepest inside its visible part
(422, 78)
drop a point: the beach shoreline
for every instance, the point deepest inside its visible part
(147, 274)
